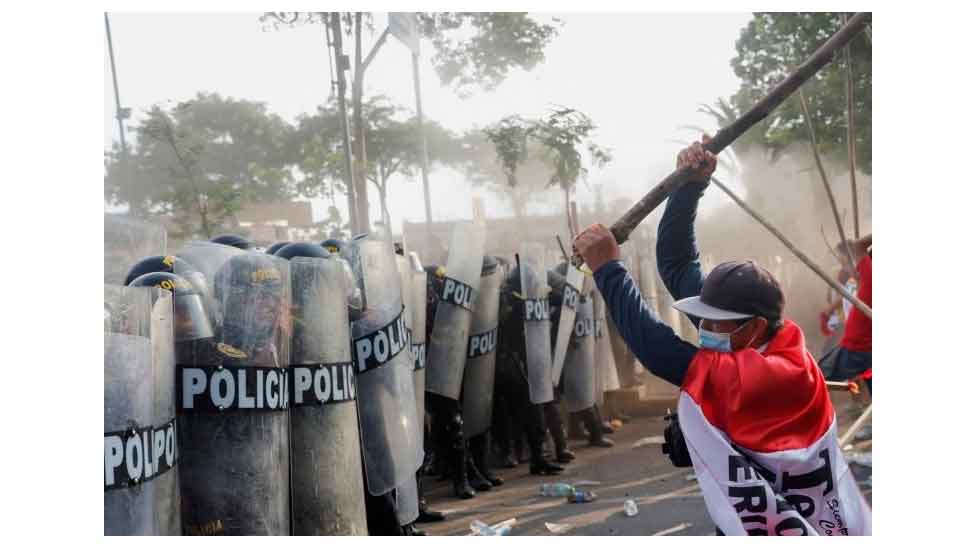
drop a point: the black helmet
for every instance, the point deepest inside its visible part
(270, 250)
(334, 245)
(488, 265)
(191, 320)
(168, 264)
(302, 249)
(233, 240)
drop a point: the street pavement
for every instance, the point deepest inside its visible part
(668, 499)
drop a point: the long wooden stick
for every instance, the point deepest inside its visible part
(826, 184)
(800, 255)
(625, 225)
(865, 416)
(851, 149)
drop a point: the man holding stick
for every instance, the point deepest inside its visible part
(754, 411)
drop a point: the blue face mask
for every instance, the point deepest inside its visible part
(715, 341)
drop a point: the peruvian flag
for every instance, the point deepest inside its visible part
(762, 435)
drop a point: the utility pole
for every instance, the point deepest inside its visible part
(120, 114)
(423, 149)
(342, 65)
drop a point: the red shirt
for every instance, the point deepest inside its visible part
(857, 331)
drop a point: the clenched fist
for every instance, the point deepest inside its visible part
(597, 246)
(698, 159)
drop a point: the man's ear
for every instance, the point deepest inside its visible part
(759, 327)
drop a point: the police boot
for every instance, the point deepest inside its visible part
(539, 465)
(575, 430)
(425, 513)
(563, 454)
(596, 432)
(462, 489)
(475, 478)
(412, 530)
(604, 425)
(479, 453)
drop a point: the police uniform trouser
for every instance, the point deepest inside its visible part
(446, 427)
(381, 515)
(528, 416)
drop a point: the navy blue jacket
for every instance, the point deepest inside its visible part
(652, 341)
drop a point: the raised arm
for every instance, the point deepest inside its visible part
(677, 251)
(653, 342)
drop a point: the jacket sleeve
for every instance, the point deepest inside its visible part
(677, 250)
(653, 342)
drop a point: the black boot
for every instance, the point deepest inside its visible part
(425, 513)
(575, 430)
(479, 454)
(475, 478)
(604, 425)
(462, 488)
(555, 424)
(412, 530)
(596, 432)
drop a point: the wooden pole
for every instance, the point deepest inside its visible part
(800, 255)
(865, 416)
(851, 149)
(826, 184)
(625, 225)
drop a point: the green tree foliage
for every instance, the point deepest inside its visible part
(391, 147)
(561, 137)
(200, 161)
(479, 49)
(769, 47)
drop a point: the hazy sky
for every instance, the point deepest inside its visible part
(639, 76)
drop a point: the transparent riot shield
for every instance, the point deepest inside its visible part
(142, 495)
(567, 319)
(418, 287)
(208, 257)
(407, 502)
(535, 291)
(579, 380)
(234, 406)
(479, 372)
(326, 475)
(606, 368)
(392, 451)
(128, 240)
(447, 348)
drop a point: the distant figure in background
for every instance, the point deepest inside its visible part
(853, 356)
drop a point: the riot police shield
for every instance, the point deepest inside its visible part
(447, 348)
(208, 258)
(233, 404)
(418, 286)
(407, 502)
(127, 240)
(142, 495)
(579, 382)
(479, 372)
(390, 434)
(567, 319)
(538, 353)
(326, 477)
(606, 369)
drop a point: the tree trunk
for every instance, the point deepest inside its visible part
(569, 212)
(359, 126)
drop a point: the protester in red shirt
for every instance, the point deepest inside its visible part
(853, 356)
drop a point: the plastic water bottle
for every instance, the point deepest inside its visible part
(630, 508)
(556, 489)
(581, 496)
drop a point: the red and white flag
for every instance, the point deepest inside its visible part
(762, 435)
